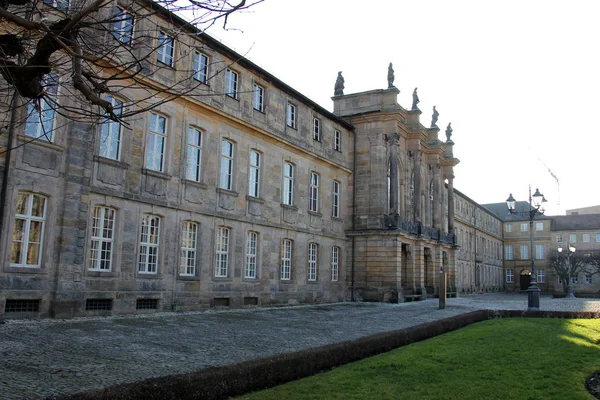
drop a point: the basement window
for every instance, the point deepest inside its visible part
(21, 305)
(146, 304)
(98, 304)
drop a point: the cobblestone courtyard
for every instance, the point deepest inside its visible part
(50, 357)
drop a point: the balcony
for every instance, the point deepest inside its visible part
(395, 222)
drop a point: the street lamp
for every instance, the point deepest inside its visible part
(570, 250)
(535, 208)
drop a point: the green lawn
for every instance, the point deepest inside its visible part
(497, 359)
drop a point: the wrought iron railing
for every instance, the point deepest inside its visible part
(418, 229)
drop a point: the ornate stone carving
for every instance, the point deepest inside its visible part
(339, 85)
(376, 139)
(390, 76)
(416, 100)
(393, 138)
(449, 132)
(434, 118)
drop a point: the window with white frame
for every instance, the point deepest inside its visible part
(335, 263)
(574, 279)
(110, 132)
(258, 98)
(588, 279)
(251, 253)
(286, 260)
(288, 184)
(291, 115)
(254, 174)
(157, 141)
(149, 242)
(572, 238)
(123, 26)
(508, 228)
(226, 177)
(539, 251)
(337, 140)
(541, 276)
(231, 83)
(166, 45)
(524, 252)
(312, 261)
(222, 252)
(313, 199)
(524, 227)
(317, 129)
(28, 231)
(61, 5)
(585, 238)
(41, 113)
(188, 255)
(508, 252)
(559, 238)
(335, 200)
(193, 167)
(102, 239)
(200, 67)
(509, 276)
(539, 226)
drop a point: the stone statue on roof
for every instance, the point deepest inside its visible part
(415, 100)
(390, 76)
(339, 85)
(434, 118)
(449, 132)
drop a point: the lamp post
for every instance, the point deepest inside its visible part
(535, 208)
(570, 250)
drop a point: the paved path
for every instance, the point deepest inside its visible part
(50, 357)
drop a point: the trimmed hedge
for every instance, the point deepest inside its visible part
(249, 376)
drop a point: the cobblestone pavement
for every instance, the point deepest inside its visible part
(50, 357)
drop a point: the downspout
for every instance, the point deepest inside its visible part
(11, 134)
(352, 298)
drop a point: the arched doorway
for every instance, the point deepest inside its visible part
(525, 278)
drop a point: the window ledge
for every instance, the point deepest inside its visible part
(201, 185)
(110, 161)
(289, 207)
(100, 274)
(228, 192)
(221, 279)
(39, 142)
(255, 199)
(147, 275)
(156, 174)
(338, 219)
(24, 270)
(315, 213)
(188, 278)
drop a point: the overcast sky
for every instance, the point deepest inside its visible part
(517, 79)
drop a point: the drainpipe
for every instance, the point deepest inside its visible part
(11, 134)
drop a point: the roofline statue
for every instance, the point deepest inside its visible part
(339, 85)
(415, 100)
(390, 76)
(449, 132)
(434, 118)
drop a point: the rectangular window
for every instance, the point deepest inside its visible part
(200, 67)
(539, 251)
(574, 279)
(258, 98)
(101, 246)
(597, 237)
(539, 226)
(193, 160)
(286, 260)
(291, 115)
(337, 141)
(559, 238)
(508, 252)
(28, 231)
(231, 83)
(157, 140)
(317, 129)
(335, 263)
(189, 239)
(335, 200)
(312, 261)
(524, 252)
(251, 251)
(541, 276)
(166, 45)
(123, 26)
(588, 279)
(110, 133)
(40, 118)
(222, 252)
(524, 227)
(314, 193)
(572, 238)
(586, 238)
(288, 184)
(508, 228)
(226, 177)
(61, 5)
(149, 240)
(254, 174)
(509, 276)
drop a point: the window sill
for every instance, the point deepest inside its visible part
(315, 213)
(221, 279)
(292, 127)
(227, 192)
(289, 207)
(22, 139)
(110, 161)
(24, 270)
(337, 219)
(156, 174)
(200, 185)
(188, 278)
(255, 199)
(260, 111)
(232, 97)
(170, 66)
(100, 274)
(147, 275)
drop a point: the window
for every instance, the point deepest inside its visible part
(286, 260)
(149, 239)
(335, 263)
(317, 129)
(508, 228)
(539, 251)
(231, 83)
(61, 5)
(226, 179)
(541, 276)
(193, 160)
(335, 200)
(586, 238)
(40, 119)
(312, 261)
(254, 174)
(588, 279)
(189, 238)
(157, 140)
(101, 246)
(250, 265)
(123, 26)
(166, 45)
(509, 276)
(574, 279)
(110, 133)
(337, 141)
(572, 237)
(288, 184)
(200, 67)
(524, 227)
(291, 115)
(222, 252)
(539, 226)
(313, 204)
(524, 252)
(559, 238)
(30, 218)
(597, 237)
(508, 252)
(258, 98)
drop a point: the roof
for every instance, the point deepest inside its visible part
(575, 222)
(522, 209)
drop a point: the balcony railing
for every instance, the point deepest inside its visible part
(418, 229)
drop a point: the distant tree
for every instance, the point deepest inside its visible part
(564, 270)
(592, 258)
